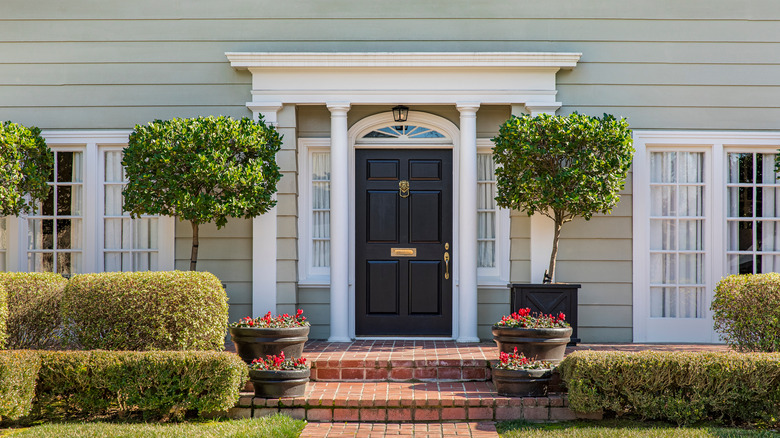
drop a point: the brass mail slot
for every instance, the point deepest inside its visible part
(403, 252)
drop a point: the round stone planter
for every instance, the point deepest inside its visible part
(253, 342)
(548, 344)
(277, 384)
(521, 383)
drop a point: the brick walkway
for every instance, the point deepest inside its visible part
(418, 430)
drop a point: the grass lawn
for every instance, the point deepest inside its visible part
(277, 426)
(619, 428)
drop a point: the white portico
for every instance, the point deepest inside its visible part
(340, 81)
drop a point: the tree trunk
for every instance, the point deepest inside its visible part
(554, 254)
(194, 253)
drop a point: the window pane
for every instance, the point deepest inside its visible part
(486, 252)
(663, 201)
(691, 167)
(767, 174)
(691, 268)
(691, 201)
(321, 254)
(114, 172)
(69, 200)
(40, 262)
(691, 301)
(767, 202)
(663, 268)
(663, 302)
(768, 233)
(740, 201)
(663, 234)
(663, 167)
(113, 200)
(740, 168)
(69, 166)
(40, 234)
(691, 237)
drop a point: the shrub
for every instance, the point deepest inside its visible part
(682, 387)
(34, 309)
(26, 164)
(3, 316)
(746, 311)
(146, 311)
(18, 371)
(159, 384)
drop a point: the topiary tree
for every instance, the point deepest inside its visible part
(204, 169)
(562, 167)
(26, 165)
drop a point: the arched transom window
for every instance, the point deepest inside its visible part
(405, 132)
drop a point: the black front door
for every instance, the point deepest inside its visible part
(403, 242)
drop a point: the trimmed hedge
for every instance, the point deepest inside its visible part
(18, 371)
(683, 387)
(3, 317)
(173, 310)
(34, 309)
(746, 310)
(160, 384)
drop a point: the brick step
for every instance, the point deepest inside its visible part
(381, 370)
(407, 402)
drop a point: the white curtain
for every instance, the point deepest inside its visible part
(486, 211)
(320, 204)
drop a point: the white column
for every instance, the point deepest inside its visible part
(264, 235)
(542, 227)
(339, 223)
(467, 253)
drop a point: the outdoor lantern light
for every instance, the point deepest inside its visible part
(400, 113)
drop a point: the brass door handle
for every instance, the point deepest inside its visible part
(446, 265)
(403, 189)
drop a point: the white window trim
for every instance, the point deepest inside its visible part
(715, 144)
(498, 276)
(308, 275)
(91, 143)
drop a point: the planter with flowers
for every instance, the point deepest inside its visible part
(277, 376)
(514, 375)
(270, 335)
(537, 336)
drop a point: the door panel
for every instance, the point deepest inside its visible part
(403, 293)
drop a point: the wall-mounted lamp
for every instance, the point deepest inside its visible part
(400, 113)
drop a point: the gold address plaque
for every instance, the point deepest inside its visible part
(403, 252)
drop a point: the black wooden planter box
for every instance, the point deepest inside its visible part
(548, 298)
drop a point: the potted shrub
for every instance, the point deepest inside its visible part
(562, 167)
(535, 335)
(277, 376)
(514, 375)
(270, 336)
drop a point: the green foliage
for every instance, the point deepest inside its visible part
(682, 387)
(146, 311)
(562, 166)
(26, 165)
(3, 317)
(160, 384)
(18, 371)
(746, 311)
(34, 309)
(202, 170)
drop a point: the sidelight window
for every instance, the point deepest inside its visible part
(486, 211)
(320, 209)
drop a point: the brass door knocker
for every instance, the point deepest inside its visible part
(403, 188)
